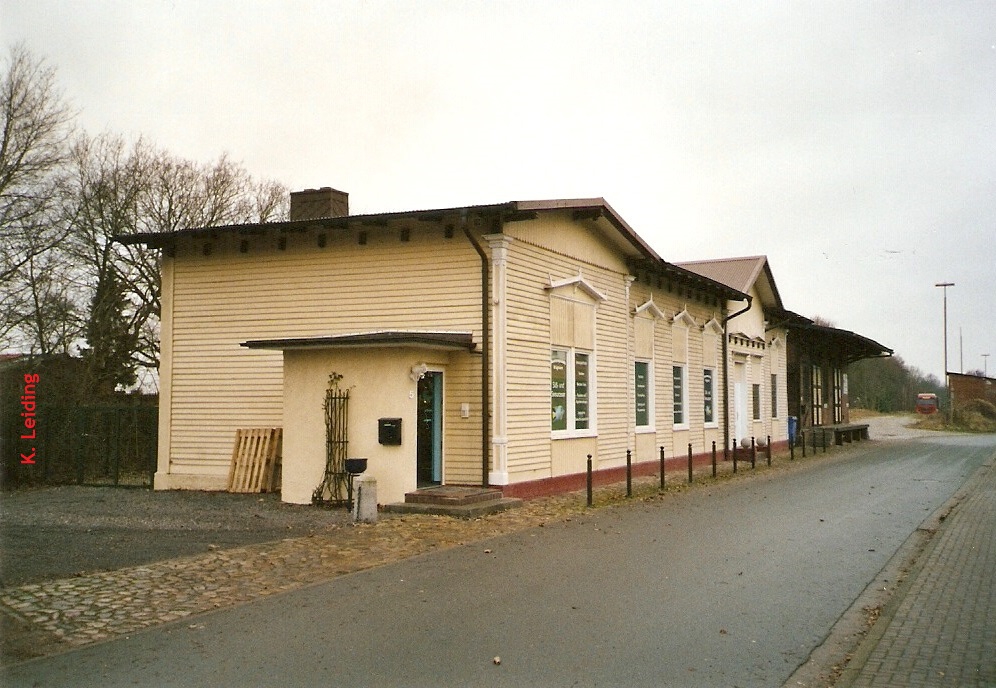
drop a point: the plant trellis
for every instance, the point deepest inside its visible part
(332, 491)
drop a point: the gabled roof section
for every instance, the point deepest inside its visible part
(741, 274)
(596, 212)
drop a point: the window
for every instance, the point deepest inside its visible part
(680, 395)
(570, 390)
(838, 399)
(756, 391)
(643, 393)
(774, 396)
(816, 394)
(709, 396)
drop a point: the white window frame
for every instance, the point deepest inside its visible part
(651, 425)
(571, 430)
(714, 423)
(683, 424)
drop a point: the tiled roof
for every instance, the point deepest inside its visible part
(742, 274)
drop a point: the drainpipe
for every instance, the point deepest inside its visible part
(726, 374)
(486, 347)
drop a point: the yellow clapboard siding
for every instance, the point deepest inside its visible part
(222, 300)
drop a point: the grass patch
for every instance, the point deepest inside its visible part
(976, 415)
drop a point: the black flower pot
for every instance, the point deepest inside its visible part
(356, 466)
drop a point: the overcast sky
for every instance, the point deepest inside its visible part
(853, 143)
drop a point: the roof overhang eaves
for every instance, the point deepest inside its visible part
(850, 346)
(448, 341)
(162, 239)
(683, 276)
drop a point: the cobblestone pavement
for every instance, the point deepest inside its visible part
(941, 630)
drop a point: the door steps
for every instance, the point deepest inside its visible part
(454, 500)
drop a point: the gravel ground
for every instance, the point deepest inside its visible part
(59, 532)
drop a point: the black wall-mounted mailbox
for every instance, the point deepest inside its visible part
(389, 431)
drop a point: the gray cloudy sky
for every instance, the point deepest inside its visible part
(852, 142)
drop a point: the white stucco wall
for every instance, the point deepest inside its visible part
(381, 386)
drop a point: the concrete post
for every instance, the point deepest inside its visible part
(365, 499)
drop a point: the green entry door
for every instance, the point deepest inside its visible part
(430, 429)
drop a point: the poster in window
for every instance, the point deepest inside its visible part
(581, 391)
(678, 380)
(642, 382)
(707, 390)
(558, 390)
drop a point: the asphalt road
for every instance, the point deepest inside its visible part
(733, 585)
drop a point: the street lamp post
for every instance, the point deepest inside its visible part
(947, 385)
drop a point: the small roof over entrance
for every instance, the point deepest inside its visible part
(451, 341)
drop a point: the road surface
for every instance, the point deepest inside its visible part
(730, 585)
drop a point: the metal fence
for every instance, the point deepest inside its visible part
(98, 444)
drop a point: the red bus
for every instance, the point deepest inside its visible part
(926, 403)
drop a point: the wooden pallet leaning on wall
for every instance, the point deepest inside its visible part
(255, 460)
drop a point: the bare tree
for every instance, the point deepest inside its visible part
(65, 284)
(35, 126)
(116, 190)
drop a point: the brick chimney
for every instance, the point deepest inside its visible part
(312, 204)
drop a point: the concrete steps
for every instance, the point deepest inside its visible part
(454, 500)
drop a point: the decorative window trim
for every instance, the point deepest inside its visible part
(579, 282)
(685, 318)
(651, 308)
(714, 327)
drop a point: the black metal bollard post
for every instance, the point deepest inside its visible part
(769, 451)
(791, 449)
(753, 454)
(714, 458)
(589, 479)
(734, 454)
(662, 468)
(689, 463)
(824, 441)
(814, 441)
(802, 436)
(629, 473)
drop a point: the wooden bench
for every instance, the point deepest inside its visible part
(852, 432)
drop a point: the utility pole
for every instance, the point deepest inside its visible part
(985, 365)
(947, 384)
